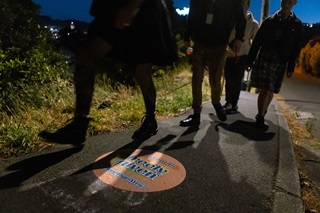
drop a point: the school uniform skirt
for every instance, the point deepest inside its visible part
(268, 72)
(148, 40)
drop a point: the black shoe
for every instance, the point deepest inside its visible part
(230, 109)
(148, 128)
(260, 121)
(221, 113)
(233, 110)
(191, 120)
(74, 133)
(227, 106)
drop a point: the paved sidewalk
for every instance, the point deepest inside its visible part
(221, 167)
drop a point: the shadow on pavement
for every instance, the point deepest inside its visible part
(248, 130)
(130, 148)
(220, 183)
(31, 166)
(181, 143)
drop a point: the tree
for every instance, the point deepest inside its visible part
(20, 28)
(27, 54)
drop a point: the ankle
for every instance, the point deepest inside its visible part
(217, 106)
(79, 115)
(81, 121)
(259, 116)
(196, 115)
(151, 114)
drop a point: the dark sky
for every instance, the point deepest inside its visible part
(306, 10)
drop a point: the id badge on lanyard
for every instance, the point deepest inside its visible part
(209, 18)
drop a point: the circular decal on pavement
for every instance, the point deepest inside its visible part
(139, 170)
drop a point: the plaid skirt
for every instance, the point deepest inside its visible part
(268, 72)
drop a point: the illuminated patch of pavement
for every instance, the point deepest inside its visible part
(139, 170)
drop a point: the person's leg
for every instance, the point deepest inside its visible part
(216, 61)
(239, 70)
(198, 65)
(143, 75)
(269, 101)
(87, 57)
(264, 99)
(233, 89)
(228, 74)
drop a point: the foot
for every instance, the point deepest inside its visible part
(233, 110)
(191, 120)
(148, 128)
(74, 133)
(227, 106)
(230, 109)
(260, 121)
(221, 113)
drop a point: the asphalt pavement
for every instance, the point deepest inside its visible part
(227, 166)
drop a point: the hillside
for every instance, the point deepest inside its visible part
(47, 21)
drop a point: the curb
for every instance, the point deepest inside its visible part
(287, 197)
(311, 152)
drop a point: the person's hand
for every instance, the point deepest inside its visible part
(124, 17)
(236, 46)
(289, 74)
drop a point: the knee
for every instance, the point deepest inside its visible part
(83, 75)
(85, 59)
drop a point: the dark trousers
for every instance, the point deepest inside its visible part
(214, 58)
(234, 72)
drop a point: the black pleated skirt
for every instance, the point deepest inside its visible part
(148, 40)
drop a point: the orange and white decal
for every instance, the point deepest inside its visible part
(139, 170)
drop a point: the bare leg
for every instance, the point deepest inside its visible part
(143, 76)
(264, 99)
(149, 127)
(269, 101)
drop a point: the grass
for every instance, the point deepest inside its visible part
(19, 129)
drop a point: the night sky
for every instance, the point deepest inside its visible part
(306, 10)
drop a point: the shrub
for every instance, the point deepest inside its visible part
(28, 57)
(19, 78)
(310, 58)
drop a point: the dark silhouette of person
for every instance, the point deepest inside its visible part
(137, 32)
